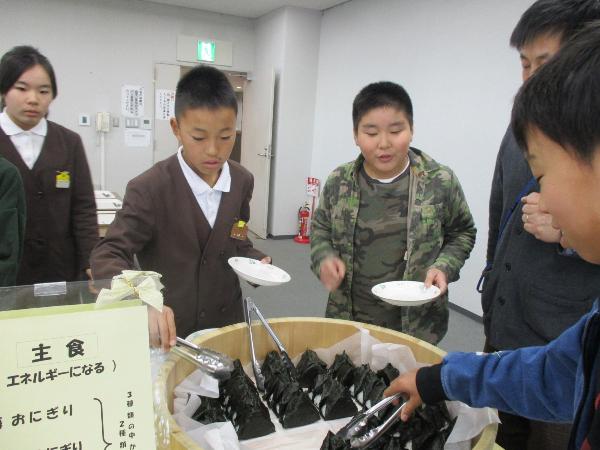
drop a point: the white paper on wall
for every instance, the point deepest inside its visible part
(164, 104)
(138, 138)
(132, 100)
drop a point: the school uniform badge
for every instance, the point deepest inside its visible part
(239, 230)
(63, 179)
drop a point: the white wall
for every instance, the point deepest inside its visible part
(454, 59)
(287, 40)
(97, 46)
(296, 93)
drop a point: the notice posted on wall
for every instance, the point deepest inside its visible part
(138, 138)
(72, 377)
(132, 100)
(165, 104)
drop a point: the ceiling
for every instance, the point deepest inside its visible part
(249, 8)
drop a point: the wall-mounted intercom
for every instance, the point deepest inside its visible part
(103, 122)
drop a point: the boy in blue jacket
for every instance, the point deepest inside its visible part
(556, 118)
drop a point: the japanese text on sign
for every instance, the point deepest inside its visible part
(132, 101)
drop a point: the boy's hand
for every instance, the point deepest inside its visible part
(161, 327)
(406, 384)
(266, 260)
(437, 278)
(332, 272)
(537, 222)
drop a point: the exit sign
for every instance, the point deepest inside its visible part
(206, 51)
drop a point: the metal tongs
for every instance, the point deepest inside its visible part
(210, 361)
(356, 432)
(250, 307)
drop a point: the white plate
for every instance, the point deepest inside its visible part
(256, 272)
(405, 293)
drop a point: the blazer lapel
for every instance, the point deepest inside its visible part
(228, 208)
(48, 158)
(10, 152)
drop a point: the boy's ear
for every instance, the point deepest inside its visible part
(175, 128)
(355, 135)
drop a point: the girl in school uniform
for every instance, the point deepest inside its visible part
(61, 226)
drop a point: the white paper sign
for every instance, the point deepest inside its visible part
(132, 101)
(138, 138)
(76, 378)
(165, 104)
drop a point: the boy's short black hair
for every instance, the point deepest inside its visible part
(204, 87)
(554, 17)
(562, 99)
(381, 94)
(18, 60)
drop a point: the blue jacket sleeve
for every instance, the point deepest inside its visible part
(534, 382)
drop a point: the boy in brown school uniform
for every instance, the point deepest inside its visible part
(181, 217)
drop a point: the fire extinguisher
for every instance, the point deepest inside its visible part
(303, 224)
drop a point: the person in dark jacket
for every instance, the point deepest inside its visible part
(555, 119)
(532, 290)
(186, 216)
(61, 227)
(12, 222)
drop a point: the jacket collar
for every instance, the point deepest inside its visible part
(12, 129)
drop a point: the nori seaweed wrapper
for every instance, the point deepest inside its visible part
(284, 395)
(427, 429)
(376, 392)
(388, 374)
(274, 364)
(209, 411)
(335, 401)
(299, 409)
(371, 383)
(358, 378)
(367, 388)
(394, 443)
(341, 369)
(309, 366)
(333, 442)
(249, 416)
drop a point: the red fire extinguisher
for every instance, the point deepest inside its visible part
(303, 224)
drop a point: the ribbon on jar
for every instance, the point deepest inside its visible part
(144, 285)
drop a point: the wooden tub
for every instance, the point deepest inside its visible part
(297, 334)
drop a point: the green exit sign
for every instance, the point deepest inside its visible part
(206, 51)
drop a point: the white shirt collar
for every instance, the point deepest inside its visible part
(10, 128)
(198, 185)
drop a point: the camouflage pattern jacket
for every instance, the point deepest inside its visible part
(441, 234)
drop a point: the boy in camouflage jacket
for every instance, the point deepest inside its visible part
(393, 213)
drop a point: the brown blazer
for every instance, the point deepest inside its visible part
(61, 226)
(162, 223)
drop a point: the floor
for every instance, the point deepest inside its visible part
(305, 296)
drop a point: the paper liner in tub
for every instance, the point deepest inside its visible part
(297, 334)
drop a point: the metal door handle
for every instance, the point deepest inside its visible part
(267, 152)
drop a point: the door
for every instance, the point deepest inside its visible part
(166, 77)
(257, 132)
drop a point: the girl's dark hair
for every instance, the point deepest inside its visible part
(562, 99)
(19, 60)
